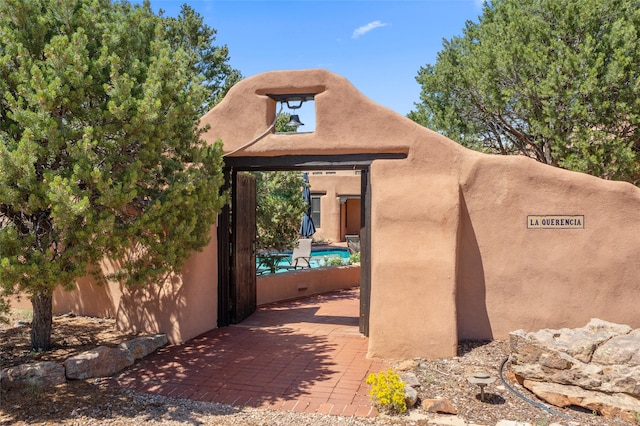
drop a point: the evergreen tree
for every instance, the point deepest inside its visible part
(555, 80)
(100, 153)
(280, 206)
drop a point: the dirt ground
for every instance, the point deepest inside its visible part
(92, 401)
(71, 335)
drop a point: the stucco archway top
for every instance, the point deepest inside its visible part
(347, 122)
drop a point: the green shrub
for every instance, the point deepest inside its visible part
(355, 257)
(387, 391)
(332, 261)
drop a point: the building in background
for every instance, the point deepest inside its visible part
(335, 204)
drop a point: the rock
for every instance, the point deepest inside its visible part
(99, 362)
(439, 405)
(143, 346)
(623, 349)
(578, 343)
(449, 421)
(585, 375)
(551, 356)
(406, 365)
(598, 363)
(410, 379)
(410, 396)
(607, 405)
(43, 374)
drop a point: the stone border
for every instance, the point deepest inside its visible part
(102, 361)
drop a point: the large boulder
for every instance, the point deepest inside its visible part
(99, 362)
(596, 367)
(42, 374)
(143, 346)
(578, 343)
(608, 405)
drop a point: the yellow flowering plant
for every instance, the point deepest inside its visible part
(387, 391)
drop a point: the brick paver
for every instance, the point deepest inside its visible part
(305, 355)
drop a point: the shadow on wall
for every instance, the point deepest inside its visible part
(182, 305)
(471, 294)
(87, 298)
(154, 308)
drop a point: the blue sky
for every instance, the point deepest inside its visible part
(378, 45)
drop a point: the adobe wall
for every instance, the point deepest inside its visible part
(305, 282)
(183, 306)
(21, 302)
(544, 278)
(330, 208)
(451, 253)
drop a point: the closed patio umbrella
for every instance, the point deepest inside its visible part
(307, 229)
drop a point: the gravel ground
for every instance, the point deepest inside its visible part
(94, 402)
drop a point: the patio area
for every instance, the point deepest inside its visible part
(305, 355)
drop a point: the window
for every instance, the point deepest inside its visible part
(315, 210)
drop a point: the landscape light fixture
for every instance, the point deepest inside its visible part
(482, 379)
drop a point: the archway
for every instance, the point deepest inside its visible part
(233, 285)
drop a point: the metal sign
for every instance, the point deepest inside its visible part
(555, 222)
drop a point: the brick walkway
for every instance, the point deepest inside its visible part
(304, 356)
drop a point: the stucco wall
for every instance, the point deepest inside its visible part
(332, 186)
(305, 282)
(539, 278)
(451, 253)
(19, 302)
(183, 306)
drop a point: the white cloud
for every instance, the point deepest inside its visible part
(366, 28)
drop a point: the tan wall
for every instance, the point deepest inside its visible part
(539, 278)
(305, 282)
(451, 254)
(19, 302)
(182, 306)
(333, 186)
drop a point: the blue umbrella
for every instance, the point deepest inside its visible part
(307, 229)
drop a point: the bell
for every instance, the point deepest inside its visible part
(294, 121)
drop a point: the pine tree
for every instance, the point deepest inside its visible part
(100, 152)
(555, 80)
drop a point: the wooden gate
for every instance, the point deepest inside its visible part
(243, 275)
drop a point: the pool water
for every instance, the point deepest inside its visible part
(319, 257)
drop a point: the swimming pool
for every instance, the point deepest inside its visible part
(319, 257)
